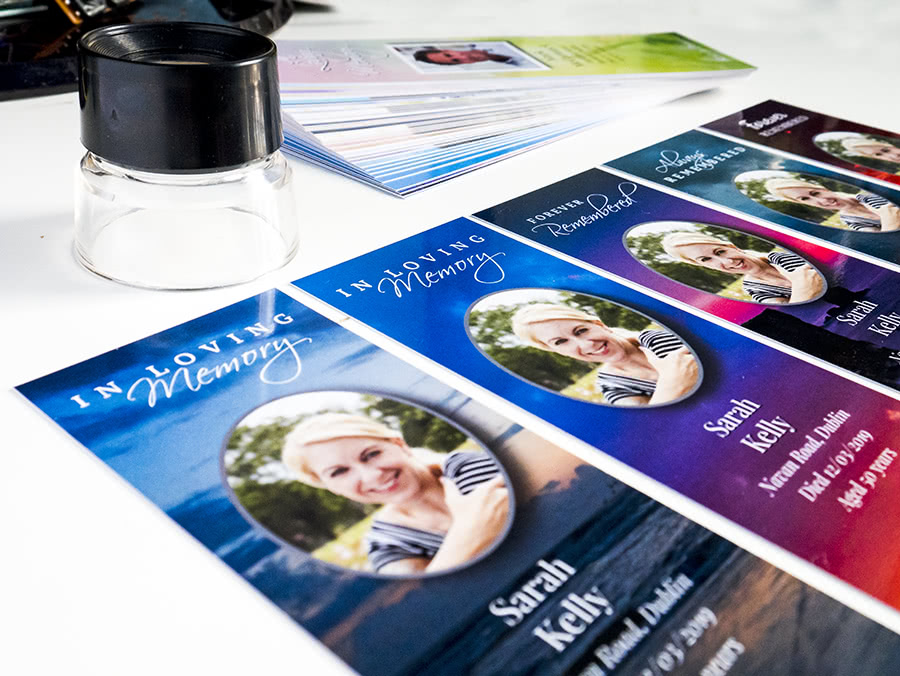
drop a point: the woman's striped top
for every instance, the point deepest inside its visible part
(616, 387)
(763, 293)
(861, 222)
(388, 542)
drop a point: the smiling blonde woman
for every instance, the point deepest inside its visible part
(863, 212)
(649, 368)
(439, 511)
(863, 146)
(775, 278)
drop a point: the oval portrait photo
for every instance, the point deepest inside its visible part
(820, 200)
(584, 347)
(726, 262)
(368, 483)
(867, 150)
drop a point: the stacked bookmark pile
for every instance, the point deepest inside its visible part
(402, 116)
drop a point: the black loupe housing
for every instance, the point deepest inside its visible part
(178, 97)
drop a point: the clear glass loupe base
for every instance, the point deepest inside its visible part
(185, 231)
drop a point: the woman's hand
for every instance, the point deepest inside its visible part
(889, 215)
(806, 283)
(478, 519)
(678, 373)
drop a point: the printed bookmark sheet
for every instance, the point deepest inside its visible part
(848, 145)
(309, 68)
(580, 574)
(534, 562)
(835, 208)
(829, 305)
(797, 454)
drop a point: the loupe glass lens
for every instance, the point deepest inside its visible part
(183, 185)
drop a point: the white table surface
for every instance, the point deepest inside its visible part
(93, 578)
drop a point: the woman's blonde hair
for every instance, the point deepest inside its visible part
(325, 427)
(674, 240)
(775, 186)
(527, 316)
(853, 143)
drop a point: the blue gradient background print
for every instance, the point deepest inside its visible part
(668, 443)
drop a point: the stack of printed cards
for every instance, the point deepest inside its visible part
(402, 116)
